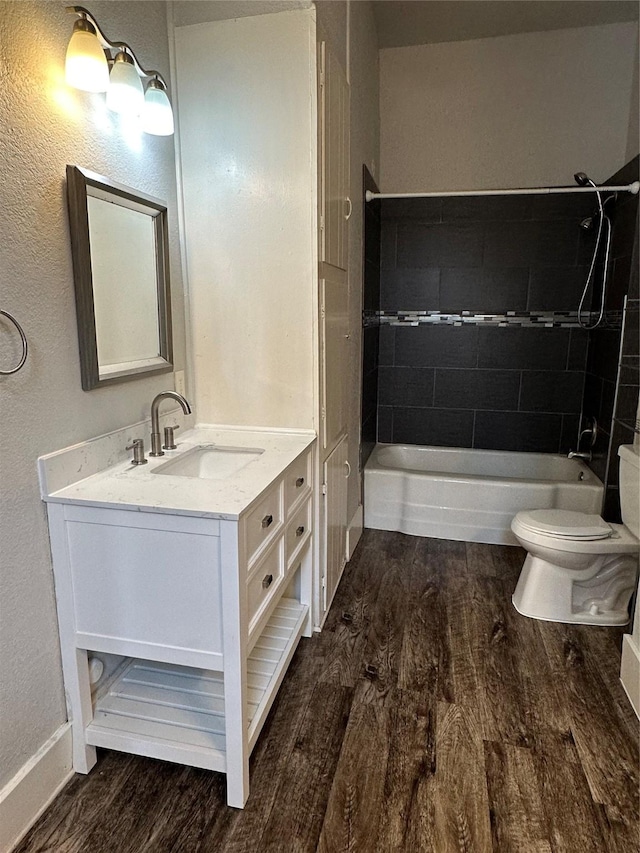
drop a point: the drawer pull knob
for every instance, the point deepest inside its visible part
(266, 521)
(300, 530)
(299, 482)
(267, 580)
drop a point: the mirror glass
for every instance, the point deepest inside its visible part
(119, 243)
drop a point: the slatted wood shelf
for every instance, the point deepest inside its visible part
(176, 713)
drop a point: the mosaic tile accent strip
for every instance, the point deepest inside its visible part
(520, 319)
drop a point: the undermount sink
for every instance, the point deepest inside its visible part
(210, 462)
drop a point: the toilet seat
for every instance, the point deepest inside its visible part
(565, 524)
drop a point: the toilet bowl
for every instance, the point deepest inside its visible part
(580, 568)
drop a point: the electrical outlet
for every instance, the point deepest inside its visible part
(179, 382)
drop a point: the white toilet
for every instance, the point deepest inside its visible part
(580, 568)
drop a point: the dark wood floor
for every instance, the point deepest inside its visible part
(428, 716)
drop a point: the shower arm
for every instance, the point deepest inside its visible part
(633, 188)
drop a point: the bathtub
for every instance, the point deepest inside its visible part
(470, 495)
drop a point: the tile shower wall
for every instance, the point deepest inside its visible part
(611, 385)
(371, 306)
(471, 384)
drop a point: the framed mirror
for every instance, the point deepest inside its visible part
(119, 243)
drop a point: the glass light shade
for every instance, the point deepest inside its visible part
(125, 94)
(86, 65)
(157, 115)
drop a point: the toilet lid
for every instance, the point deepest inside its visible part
(565, 524)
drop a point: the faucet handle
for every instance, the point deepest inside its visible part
(138, 451)
(169, 441)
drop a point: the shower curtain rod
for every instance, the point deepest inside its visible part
(627, 188)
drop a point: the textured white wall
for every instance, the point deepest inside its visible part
(633, 133)
(43, 126)
(514, 111)
(248, 159)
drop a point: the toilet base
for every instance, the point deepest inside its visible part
(553, 594)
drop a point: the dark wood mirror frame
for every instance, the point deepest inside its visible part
(79, 184)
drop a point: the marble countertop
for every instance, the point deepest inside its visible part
(137, 487)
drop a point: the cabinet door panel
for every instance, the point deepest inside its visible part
(334, 107)
(335, 514)
(334, 328)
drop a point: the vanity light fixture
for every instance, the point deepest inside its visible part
(91, 54)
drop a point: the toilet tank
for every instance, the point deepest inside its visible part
(630, 486)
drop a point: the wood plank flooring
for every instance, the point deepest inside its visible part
(427, 717)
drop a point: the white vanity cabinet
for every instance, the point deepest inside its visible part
(205, 611)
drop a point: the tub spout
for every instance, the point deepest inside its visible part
(575, 454)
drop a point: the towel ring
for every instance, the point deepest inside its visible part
(23, 338)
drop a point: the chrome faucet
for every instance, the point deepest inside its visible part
(592, 431)
(156, 439)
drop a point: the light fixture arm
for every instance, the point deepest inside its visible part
(115, 46)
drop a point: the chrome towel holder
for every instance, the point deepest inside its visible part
(25, 347)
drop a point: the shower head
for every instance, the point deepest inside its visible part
(587, 223)
(582, 179)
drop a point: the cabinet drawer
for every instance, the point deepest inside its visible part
(265, 582)
(297, 481)
(263, 522)
(298, 530)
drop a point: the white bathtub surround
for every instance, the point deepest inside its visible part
(469, 495)
(579, 568)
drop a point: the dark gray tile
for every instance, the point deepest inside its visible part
(436, 346)
(611, 507)
(385, 424)
(509, 244)
(405, 386)
(477, 389)
(604, 349)
(629, 370)
(556, 288)
(618, 283)
(410, 290)
(372, 236)
(371, 291)
(631, 343)
(388, 246)
(443, 245)
(479, 208)
(573, 206)
(442, 427)
(369, 394)
(578, 343)
(569, 436)
(607, 402)
(413, 209)
(370, 349)
(625, 226)
(627, 403)
(523, 431)
(587, 243)
(522, 348)
(592, 396)
(551, 391)
(492, 291)
(387, 343)
(556, 243)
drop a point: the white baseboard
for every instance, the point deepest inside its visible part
(630, 671)
(27, 795)
(354, 531)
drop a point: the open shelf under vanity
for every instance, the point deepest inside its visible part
(176, 713)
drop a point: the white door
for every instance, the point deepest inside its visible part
(336, 472)
(335, 207)
(334, 357)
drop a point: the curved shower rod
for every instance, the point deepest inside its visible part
(628, 188)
